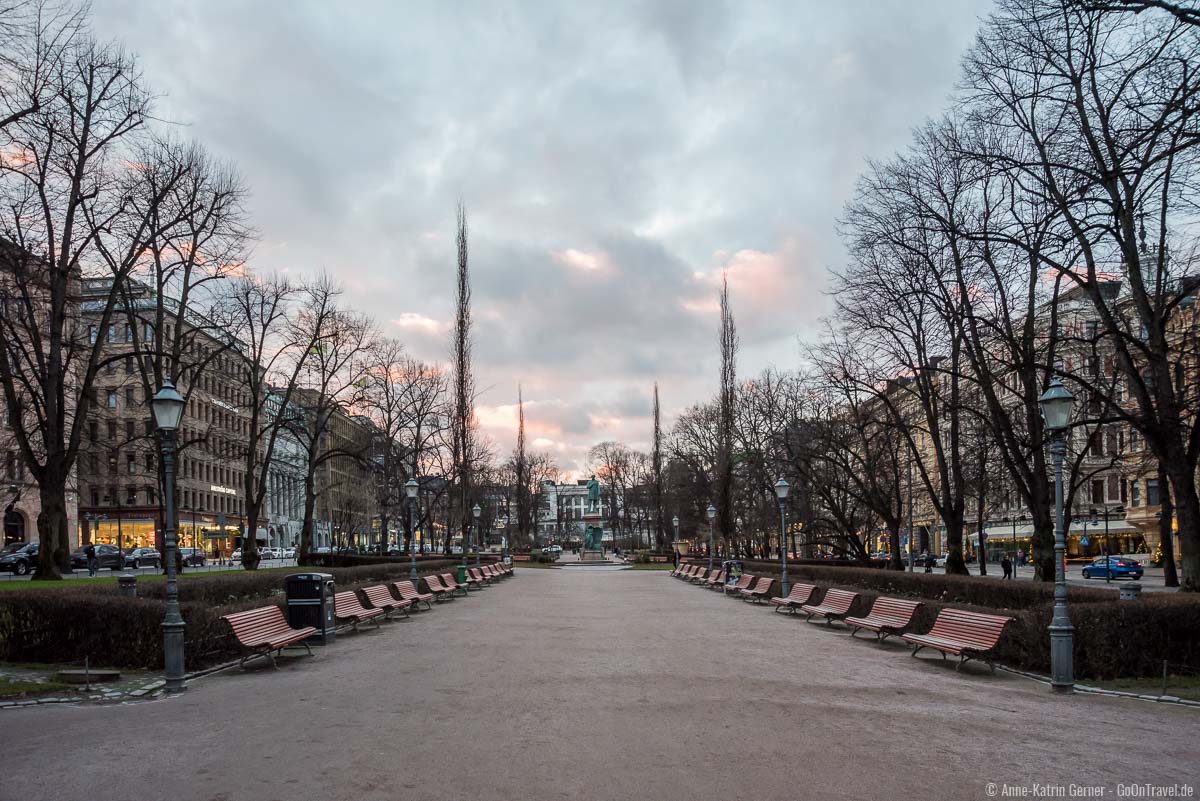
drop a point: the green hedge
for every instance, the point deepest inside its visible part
(68, 621)
(1112, 638)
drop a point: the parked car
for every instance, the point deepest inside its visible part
(1119, 566)
(143, 557)
(193, 557)
(236, 556)
(267, 553)
(289, 553)
(109, 556)
(19, 557)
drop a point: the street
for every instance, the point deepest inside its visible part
(569, 684)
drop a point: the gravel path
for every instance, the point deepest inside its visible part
(563, 684)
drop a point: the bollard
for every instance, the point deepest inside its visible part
(127, 585)
(1131, 591)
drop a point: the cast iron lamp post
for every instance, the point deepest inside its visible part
(167, 406)
(781, 492)
(1056, 404)
(675, 523)
(476, 511)
(410, 489)
(712, 521)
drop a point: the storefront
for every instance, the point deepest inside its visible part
(1084, 539)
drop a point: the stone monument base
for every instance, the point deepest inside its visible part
(592, 556)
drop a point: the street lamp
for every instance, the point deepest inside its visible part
(476, 511)
(712, 518)
(167, 406)
(675, 523)
(411, 488)
(1056, 404)
(781, 492)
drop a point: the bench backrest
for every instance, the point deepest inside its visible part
(743, 582)
(839, 600)
(701, 573)
(379, 596)
(894, 611)
(346, 604)
(406, 588)
(764, 585)
(689, 569)
(253, 624)
(979, 630)
(717, 578)
(449, 580)
(435, 584)
(801, 593)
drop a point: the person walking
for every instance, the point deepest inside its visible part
(93, 564)
(1021, 557)
(1006, 566)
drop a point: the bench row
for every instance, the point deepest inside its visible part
(959, 632)
(265, 632)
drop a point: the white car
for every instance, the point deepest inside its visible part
(289, 553)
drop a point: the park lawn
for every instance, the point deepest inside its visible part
(10, 688)
(1179, 686)
(112, 579)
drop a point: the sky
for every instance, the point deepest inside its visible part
(616, 159)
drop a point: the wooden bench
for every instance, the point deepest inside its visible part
(480, 579)
(888, 616)
(699, 575)
(967, 635)
(379, 597)
(714, 580)
(521, 557)
(834, 606)
(439, 590)
(409, 592)
(800, 595)
(743, 583)
(346, 606)
(684, 570)
(759, 591)
(454, 584)
(264, 631)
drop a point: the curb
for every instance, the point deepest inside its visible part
(1089, 690)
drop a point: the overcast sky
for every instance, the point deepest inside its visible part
(615, 158)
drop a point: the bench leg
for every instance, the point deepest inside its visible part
(306, 647)
(916, 647)
(854, 632)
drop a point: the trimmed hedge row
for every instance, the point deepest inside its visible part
(64, 624)
(1112, 638)
(969, 590)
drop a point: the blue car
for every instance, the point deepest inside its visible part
(1119, 565)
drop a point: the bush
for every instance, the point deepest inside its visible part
(69, 621)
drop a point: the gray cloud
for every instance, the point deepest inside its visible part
(614, 158)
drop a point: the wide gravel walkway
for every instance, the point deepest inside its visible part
(596, 685)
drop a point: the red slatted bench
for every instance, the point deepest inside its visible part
(888, 616)
(719, 584)
(967, 635)
(480, 579)
(684, 570)
(760, 590)
(454, 584)
(264, 631)
(800, 595)
(699, 575)
(379, 597)
(409, 592)
(714, 580)
(744, 582)
(440, 591)
(834, 606)
(346, 606)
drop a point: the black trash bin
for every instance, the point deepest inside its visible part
(310, 603)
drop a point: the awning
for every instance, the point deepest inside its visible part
(1003, 531)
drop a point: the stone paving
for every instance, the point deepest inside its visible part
(599, 685)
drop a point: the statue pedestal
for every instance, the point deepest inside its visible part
(592, 556)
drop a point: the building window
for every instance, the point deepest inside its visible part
(131, 463)
(131, 497)
(1135, 493)
(128, 334)
(129, 433)
(111, 399)
(129, 397)
(92, 334)
(1114, 487)
(112, 429)
(1151, 492)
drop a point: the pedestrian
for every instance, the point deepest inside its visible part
(1020, 557)
(927, 561)
(1006, 566)
(93, 564)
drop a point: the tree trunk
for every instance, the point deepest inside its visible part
(250, 555)
(54, 554)
(1166, 516)
(306, 527)
(1186, 508)
(896, 559)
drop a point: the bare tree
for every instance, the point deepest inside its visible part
(656, 456)
(727, 403)
(463, 427)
